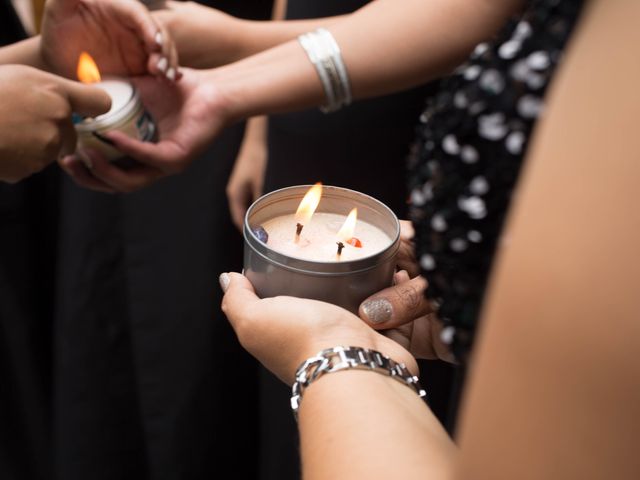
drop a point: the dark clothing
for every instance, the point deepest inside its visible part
(27, 262)
(472, 142)
(473, 139)
(117, 296)
(363, 147)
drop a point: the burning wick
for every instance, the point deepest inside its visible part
(340, 247)
(346, 232)
(307, 208)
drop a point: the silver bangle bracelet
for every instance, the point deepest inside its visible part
(324, 53)
(310, 46)
(345, 358)
(336, 55)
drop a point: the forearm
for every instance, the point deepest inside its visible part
(202, 45)
(256, 129)
(435, 36)
(26, 52)
(386, 432)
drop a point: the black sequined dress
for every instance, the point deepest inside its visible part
(471, 144)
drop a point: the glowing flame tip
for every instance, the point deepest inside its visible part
(87, 69)
(309, 204)
(349, 227)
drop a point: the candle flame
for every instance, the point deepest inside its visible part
(309, 204)
(87, 69)
(349, 227)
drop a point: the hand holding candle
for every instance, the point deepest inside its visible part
(126, 115)
(188, 116)
(35, 118)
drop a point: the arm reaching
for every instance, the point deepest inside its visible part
(435, 36)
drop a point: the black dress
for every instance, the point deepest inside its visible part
(363, 147)
(149, 380)
(471, 145)
(27, 262)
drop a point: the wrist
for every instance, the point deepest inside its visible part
(275, 81)
(348, 358)
(205, 37)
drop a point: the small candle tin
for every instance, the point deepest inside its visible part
(127, 115)
(345, 284)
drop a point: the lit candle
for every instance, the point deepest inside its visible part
(307, 208)
(318, 240)
(324, 230)
(127, 114)
(333, 259)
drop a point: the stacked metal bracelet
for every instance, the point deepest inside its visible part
(324, 53)
(343, 358)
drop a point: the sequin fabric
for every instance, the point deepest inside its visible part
(465, 163)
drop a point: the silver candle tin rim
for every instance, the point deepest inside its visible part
(314, 267)
(110, 120)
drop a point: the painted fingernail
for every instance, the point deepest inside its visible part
(171, 74)
(224, 280)
(158, 39)
(162, 64)
(377, 310)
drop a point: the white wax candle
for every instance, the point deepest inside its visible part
(318, 239)
(120, 90)
(126, 115)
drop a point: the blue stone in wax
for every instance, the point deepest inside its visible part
(261, 233)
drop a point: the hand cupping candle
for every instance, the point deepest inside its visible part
(127, 114)
(320, 252)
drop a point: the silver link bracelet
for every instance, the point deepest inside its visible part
(346, 358)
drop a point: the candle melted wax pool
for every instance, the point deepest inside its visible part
(318, 239)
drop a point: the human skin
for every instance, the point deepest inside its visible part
(554, 388)
(35, 118)
(436, 35)
(35, 114)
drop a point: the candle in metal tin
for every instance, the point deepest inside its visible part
(127, 114)
(309, 266)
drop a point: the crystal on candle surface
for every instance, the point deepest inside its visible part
(260, 233)
(355, 242)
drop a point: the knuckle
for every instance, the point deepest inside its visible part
(410, 297)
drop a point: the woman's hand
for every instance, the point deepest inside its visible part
(188, 115)
(406, 316)
(120, 35)
(282, 332)
(35, 118)
(247, 178)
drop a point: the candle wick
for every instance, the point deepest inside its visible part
(299, 228)
(340, 247)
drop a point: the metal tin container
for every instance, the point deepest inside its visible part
(131, 119)
(345, 284)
